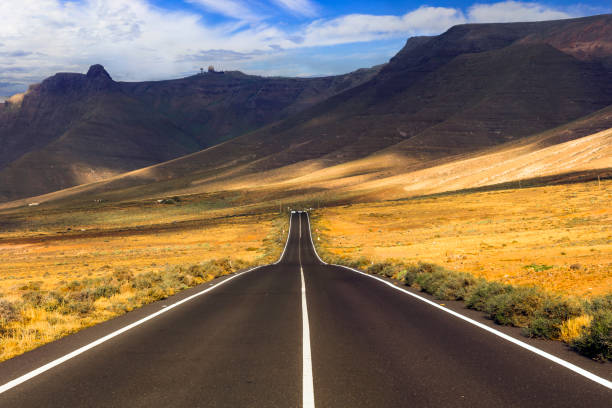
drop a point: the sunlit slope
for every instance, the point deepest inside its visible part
(73, 129)
(383, 175)
(510, 164)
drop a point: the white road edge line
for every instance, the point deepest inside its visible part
(286, 242)
(542, 353)
(81, 350)
(307, 384)
(312, 242)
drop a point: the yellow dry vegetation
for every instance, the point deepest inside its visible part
(573, 328)
(52, 261)
(555, 237)
(55, 279)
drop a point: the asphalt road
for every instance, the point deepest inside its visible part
(241, 345)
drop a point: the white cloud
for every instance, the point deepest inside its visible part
(364, 27)
(131, 37)
(511, 11)
(136, 40)
(302, 7)
(229, 8)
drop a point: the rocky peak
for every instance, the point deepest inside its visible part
(98, 71)
(96, 79)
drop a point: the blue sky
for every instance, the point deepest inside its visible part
(159, 39)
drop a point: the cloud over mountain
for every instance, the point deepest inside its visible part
(138, 39)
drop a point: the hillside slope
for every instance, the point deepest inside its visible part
(75, 128)
(473, 87)
(440, 98)
(580, 150)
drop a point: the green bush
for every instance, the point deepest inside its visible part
(483, 291)
(358, 263)
(600, 304)
(146, 280)
(455, 286)
(596, 342)
(539, 313)
(516, 307)
(549, 317)
(384, 269)
(429, 282)
(410, 274)
(82, 308)
(105, 291)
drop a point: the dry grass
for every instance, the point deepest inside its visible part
(557, 237)
(60, 272)
(574, 328)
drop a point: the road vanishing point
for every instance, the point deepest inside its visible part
(297, 333)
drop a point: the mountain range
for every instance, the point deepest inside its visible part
(73, 128)
(470, 92)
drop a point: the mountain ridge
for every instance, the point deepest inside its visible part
(473, 87)
(50, 135)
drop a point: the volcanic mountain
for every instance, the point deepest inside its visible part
(74, 128)
(440, 99)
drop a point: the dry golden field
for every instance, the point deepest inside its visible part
(61, 271)
(556, 237)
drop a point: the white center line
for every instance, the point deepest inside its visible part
(307, 386)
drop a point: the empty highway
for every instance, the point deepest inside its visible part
(295, 333)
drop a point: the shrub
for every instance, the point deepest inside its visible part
(596, 342)
(384, 268)
(357, 263)
(80, 296)
(516, 307)
(123, 274)
(538, 268)
(430, 281)
(586, 326)
(145, 280)
(9, 311)
(32, 286)
(78, 307)
(74, 285)
(483, 291)
(600, 304)
(426, 267)
(53, 301)
(455, 286)
(410, 274)
(549, 317)
(218, 267)
(105, 291)
(157, 293)
(35, 298)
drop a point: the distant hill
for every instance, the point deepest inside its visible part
(439, 99)
(73, 128)
(473, 87)
(577, 151)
